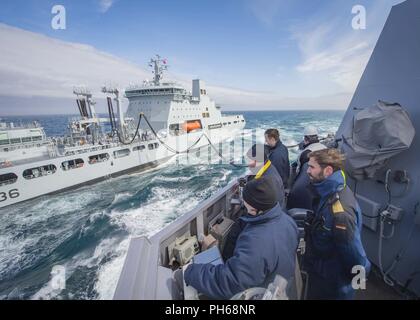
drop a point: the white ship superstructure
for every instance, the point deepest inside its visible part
(32, 165)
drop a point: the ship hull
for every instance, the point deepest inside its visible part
(137, 161)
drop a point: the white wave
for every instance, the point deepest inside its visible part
(226, 173)
(84, 259)
(151, 216)
(108, 274)
(145, 221)
(119, 197)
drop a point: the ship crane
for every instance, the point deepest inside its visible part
(84, 95)
(86, 104)
(116, 93)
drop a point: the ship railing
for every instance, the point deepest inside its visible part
(136, 93)
(10, 148)
(78, 150)
(7, 126)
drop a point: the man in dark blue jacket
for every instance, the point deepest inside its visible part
(265, 248)
(332, 237)
(279, 155)
(260, 166)
(300, 195)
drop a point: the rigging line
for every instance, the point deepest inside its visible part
(168, 147)
(135, 135)
(194, 144)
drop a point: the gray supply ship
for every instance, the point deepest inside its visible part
(163, 119)
(382, 153)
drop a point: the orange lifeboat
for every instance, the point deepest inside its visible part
(192, 125)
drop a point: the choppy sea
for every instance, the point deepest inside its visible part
(87, 230)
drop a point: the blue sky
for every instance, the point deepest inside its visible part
(297, 53)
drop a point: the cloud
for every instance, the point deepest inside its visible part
(105, 5)
(332, 51)
(37, 72)
(34, 64)
(338, 58)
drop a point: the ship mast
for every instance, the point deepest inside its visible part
(159, 65)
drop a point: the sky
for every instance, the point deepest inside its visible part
(252, 54)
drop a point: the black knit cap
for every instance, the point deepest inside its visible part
(260, 193)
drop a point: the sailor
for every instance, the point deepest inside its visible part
(266, 247)
(333, 240)
(299, 195)
(260, 165)
(309, 144)
(279, 155)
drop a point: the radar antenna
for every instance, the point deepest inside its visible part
(159, 65)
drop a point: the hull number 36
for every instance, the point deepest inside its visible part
(12, 194)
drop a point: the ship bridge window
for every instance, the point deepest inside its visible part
(72, 164)
(39, 172)
(121, 153)
(15, 140)
(99, 158)
(8, 178)
(4, 142)
(37, 138)
(27, 139)
(139, 148)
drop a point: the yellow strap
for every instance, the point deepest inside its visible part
(344, 177)
(263, 169)
(337, 207)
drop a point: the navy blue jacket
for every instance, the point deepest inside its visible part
(334, 243)
(279, 156)
(300, 195)
(265, 247)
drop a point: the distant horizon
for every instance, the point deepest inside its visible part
(101, 113)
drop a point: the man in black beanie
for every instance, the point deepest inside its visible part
(261, 166)
(265, 248)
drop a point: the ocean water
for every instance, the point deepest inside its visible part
(87, 230)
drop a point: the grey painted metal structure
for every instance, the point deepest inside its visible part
(393, 75)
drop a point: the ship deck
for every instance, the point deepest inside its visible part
(377, 289)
